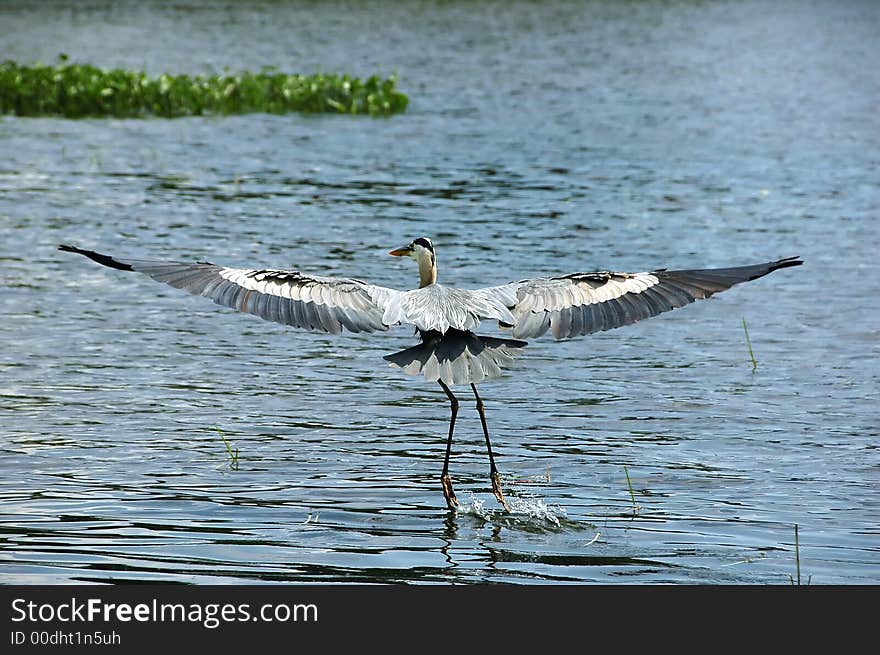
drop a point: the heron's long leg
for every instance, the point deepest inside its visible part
(451, 500)
(493, 472)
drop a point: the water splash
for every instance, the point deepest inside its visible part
(523, 511)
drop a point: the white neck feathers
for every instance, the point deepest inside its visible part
(427, 268)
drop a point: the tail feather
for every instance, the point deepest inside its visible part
(457, 357)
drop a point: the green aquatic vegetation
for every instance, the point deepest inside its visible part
(749, 344)
(81, 90)
(230, 451)
(632, 494)
(797, 560)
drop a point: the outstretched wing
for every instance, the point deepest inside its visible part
(583, 303)
(313, 302)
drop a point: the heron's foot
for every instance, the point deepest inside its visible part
(451, 500)
(496, 489)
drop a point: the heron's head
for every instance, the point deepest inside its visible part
(422, 250)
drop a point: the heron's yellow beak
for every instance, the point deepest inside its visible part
(401, 252)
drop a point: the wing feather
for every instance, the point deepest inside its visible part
(583, 303)
(313, 302)
(568, 305)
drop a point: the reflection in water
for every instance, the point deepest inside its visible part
(579, 137)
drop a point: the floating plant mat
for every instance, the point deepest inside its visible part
(81, 90)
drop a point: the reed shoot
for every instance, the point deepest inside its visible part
(797, 560)
(749, 344)
(632, 494)
(233, 453)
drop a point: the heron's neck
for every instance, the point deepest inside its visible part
(427, 270)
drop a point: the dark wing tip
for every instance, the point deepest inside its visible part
(786, 262)
(105, 260)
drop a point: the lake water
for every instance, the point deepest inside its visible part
(541, 138)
